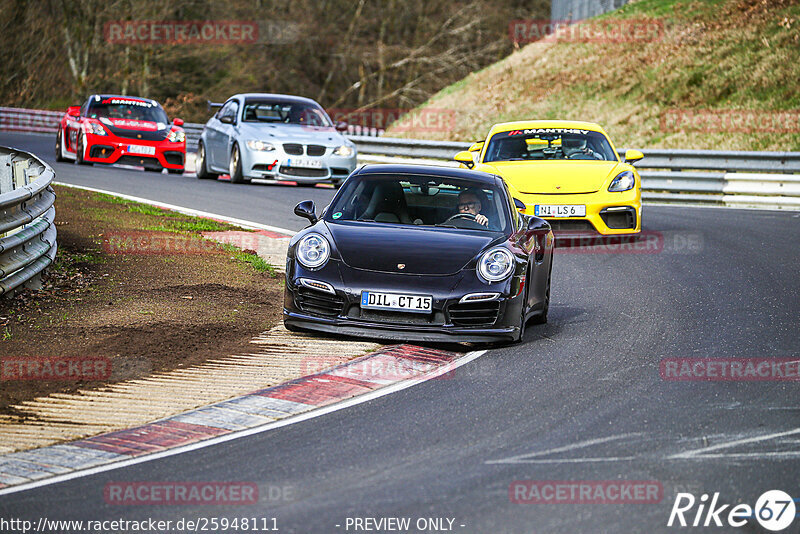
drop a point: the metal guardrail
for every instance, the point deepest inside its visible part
(730, 178)
(27, 220)
(733, 178)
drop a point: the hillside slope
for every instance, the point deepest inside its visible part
(685, 89)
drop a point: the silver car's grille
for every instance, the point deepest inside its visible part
(315, 150)
(293, 149)
(303, 172)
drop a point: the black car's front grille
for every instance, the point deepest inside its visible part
(315, 150)
(381, 316)
(293, 149)
(100, 151)
(174, 158)
(142, 135)
(303, 172)
(474, 314)
(318, 303)
(570, 226)
(140, 161)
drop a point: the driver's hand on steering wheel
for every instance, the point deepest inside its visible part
(482, 219)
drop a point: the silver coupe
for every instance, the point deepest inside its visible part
(274, 137)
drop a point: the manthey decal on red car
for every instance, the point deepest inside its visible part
(118, 129)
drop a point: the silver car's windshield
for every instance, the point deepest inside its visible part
(284, 112)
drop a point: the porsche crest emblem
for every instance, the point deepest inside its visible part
(401, 266)
(139, 136)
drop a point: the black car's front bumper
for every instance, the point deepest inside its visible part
(450, 321)
(399, 332)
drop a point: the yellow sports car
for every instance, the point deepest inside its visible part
(567, 172)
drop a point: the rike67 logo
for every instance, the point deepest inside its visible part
(774, 511)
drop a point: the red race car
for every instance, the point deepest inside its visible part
(122, 129)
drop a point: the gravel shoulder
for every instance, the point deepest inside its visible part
(135, 290)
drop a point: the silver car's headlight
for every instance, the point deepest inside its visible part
(313, 251)
(176, 136)
(623, 181)
(257, 144)
(496, 264)
(344, 151)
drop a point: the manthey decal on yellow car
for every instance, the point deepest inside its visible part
(567, 172)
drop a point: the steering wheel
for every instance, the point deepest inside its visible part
(467, 216)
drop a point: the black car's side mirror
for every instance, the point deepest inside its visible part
(307, 209)
(536, 224)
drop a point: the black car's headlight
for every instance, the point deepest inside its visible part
(622, 182)
(313, 251)
(95, 128)
(259, 145)
(344, 151)
(176, 136)
(496, 264)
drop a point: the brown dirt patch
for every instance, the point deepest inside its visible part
(151, 308)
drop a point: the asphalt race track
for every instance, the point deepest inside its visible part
(581, 399)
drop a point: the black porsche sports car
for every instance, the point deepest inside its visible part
(419, 253)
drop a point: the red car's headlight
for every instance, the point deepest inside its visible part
(95, 128)
(176, 136)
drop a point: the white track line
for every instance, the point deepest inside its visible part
(528, 457)
(186, 211)
(393, 388)
(701, 453)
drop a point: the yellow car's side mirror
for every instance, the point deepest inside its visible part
(465, 158)
(632, 156)
(476, 146)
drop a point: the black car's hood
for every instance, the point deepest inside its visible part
(384, 247)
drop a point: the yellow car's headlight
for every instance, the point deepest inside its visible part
(622, 182)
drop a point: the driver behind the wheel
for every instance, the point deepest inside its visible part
(469, 202)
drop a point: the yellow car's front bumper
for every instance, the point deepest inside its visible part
(603, 211)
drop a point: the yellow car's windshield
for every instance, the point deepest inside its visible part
(549, 143)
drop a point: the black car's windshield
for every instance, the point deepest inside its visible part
(127, 108)
(549, 143)
(432, 201)
(284, 112)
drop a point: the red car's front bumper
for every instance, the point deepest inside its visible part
(149, 154)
